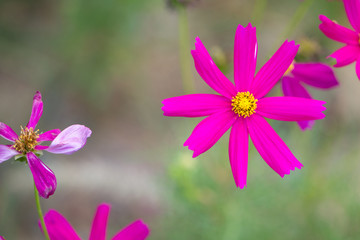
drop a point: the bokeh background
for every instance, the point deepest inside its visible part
(108, 65)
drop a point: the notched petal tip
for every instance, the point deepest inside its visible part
(298, 166)
(241, 186)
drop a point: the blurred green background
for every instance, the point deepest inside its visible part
(108, 65)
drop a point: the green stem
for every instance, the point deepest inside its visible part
(184, 49)
(297, 18)
(38, 206)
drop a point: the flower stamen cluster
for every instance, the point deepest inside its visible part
(244, 104)
(26, 141)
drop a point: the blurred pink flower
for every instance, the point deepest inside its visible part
(351, 51)
(2, 238)
(317, 75)
(60, 229)
(28, 143)
(243, 106)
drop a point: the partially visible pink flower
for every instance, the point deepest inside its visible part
(60, 229)
(243, 106)
(351, 51)
(317, 75)
(29, 144)
(2, 238)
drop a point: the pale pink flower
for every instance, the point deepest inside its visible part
(351, 51)
(60, 229)
(29, 144)
(243, 106)
(316, 75)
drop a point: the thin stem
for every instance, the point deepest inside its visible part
(38, 206)
(184, 49)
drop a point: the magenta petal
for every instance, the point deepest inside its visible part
(36, 112)
(315, 74)
(49, 135)
(337, 32)
(7, 132)
(195, 105)
(274, 69)
(70, 140)
(238, 151)
(292, 88)
(40, 147)
(98, 229)
(352, 8)
(58, 227)
(137, 230)
(209, 131)
(271, 147)
(44, 178)
(6, 153)
(2, 238)
(346, 55)
(245, 55)
(209, 72)
(290, 108)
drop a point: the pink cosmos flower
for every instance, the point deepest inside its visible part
(60, 229)
(28, 144)
(243, 106)
(351, 51)
(317, 75)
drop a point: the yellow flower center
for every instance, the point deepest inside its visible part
(26, 141)
(289, 70)
(244, 104)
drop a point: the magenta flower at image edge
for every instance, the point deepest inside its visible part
(28, 143)
(60, 229)
(317, 75)
(351, 51)
(243, 106)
